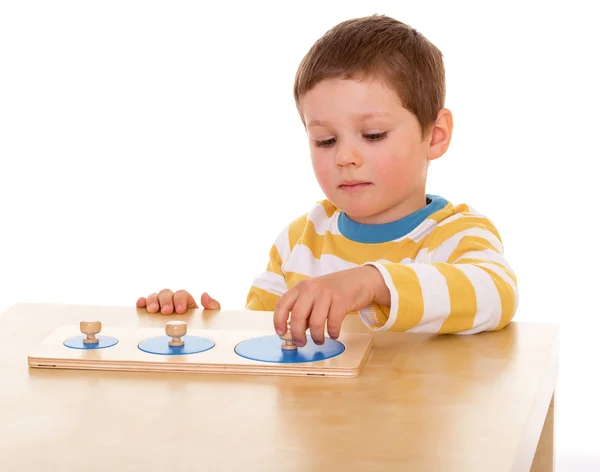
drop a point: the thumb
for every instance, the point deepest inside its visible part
(209, 303)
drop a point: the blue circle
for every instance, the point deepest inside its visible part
(160, 345)
(268, 349)
(103, 342)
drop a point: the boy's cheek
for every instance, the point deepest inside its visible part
(323, 174)
(396, 169)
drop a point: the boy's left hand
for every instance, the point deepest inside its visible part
(327, 299)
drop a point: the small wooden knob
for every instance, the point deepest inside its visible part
(288, 344)
(176, 329)
(90, 329)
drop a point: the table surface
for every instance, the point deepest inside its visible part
(421, 403)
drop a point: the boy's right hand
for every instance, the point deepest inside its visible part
(165, 300)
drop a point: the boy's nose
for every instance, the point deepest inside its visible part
(348, 156)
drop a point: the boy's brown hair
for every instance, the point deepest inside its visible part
(383, 48)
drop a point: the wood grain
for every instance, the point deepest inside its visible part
(421, 403)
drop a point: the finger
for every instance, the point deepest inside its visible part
(300, 313)
(183, 300)
(152, 305)
(165, 300)
(318, 318)
(282, 311)
(209, 303)
(337, 313)
(141, 302)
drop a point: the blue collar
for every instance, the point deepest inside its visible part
(386, 232)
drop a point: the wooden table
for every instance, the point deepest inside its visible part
(422, 403)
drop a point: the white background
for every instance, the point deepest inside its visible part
(151, 144)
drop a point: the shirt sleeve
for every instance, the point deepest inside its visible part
(268, 287)
(464, 285)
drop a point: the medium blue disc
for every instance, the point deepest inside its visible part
(160, 345)
(103, 341)
(268, 349)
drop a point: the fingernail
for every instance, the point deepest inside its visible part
(179, 308)
(166, 307)
(154, 306)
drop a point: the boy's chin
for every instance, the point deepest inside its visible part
(358, 213)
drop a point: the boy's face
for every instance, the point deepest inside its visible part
(367, 150)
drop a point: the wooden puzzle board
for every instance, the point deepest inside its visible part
(222, 359)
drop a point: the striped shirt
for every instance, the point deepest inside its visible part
(444, 266)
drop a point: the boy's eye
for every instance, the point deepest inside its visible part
(369, 137)
(375, 136)
(326, 142)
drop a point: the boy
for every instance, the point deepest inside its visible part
(370, 94)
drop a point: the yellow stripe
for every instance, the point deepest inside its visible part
(330, 208)
(470, 244)
(507, 298)
(274, 264)
(410, 296)
(292, 278)
(357, 253)
(476, 262)
(462, 208)
(382, 313)
(261, 300)
(442, 214)
(296, 229)
(442, 233)
(463, 302)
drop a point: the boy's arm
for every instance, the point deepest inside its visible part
(269, 286)
(465, 286)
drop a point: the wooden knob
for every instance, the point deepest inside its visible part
(176, 329)
(90, 329)
(288, 344)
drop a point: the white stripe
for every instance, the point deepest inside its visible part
(333, 227)
(282, 243)
(423, 256)
(436, 299)
(460, 216)
(485, 255)
(424, 229)
(444, 250)
(501, 273)
(489, 305)
(393, 297)
(302, 261)
(322, 222)
(271, 282)
(451, 219)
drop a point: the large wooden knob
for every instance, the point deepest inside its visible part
(176, 329)
(90, 329)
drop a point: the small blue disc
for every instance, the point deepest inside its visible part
(103, 341)
(268, 349)
(160, 345)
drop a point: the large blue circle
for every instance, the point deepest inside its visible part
(268, 349)
(160, 345)
(103, 342)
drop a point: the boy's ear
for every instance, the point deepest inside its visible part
(440, 135)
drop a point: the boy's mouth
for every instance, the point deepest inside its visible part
(353, 185)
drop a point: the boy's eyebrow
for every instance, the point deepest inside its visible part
(359, 117)
(376, 114)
